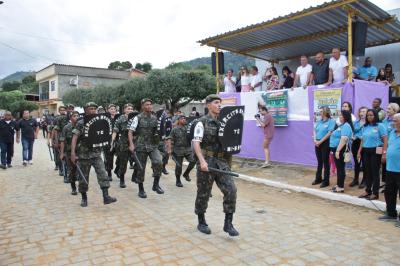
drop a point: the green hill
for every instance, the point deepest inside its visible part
(231, 61)
(17, 76)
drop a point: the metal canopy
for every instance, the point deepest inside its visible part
(306, 32)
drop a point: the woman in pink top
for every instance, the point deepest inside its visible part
(272, 79)
(245, 79)
(269, 128)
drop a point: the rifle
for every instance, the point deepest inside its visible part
(216, 170)
(64, 167)
(51, 156)
(136, 159)
(79, 170)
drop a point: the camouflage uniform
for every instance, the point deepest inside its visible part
(60, 122)
(146, 142)
(121, 128)
(181, 149)
(87, 157)
(212, 152)
(66, 137)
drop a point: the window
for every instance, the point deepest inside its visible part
(53, 85)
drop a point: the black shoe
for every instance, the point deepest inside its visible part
(9, 165)
(164, 171)
(388, 218)
(178, 182)
(354, 183)
(84, 202)
(203, 226)
(122, 182)
(3, 166)
(74, 192)
(56, 168)
(187, 177)
(107, 199)
(142, 194)
(66, 180)
(228, 227)
(156, 186)
(316, 182)
(324, 184)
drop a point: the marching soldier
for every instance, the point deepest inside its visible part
(208, 150)
(60, 122)
(110, 151)
(65, 149)
(50, 141)
(181, 148)
(121, 128)
(144, 129)
(87, 157)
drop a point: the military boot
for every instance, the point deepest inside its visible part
(122, 182)
(66, 179)
(156, 185)
(60, 171)
(142, 194)
(73, 188)
(228, 227)
(187, 177)
(164, 170)
(178, 181)
(203, 226)
(106, 198)
(134, 176)
(84, 199)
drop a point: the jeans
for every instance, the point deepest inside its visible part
(340, 167)
(27, 149)
(322, 153)
(7, 151)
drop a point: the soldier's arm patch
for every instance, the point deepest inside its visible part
(134, 124)
(198, 132)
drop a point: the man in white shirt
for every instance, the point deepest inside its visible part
(338, 67)
(230, 81)
(303, 73)
(256, 80)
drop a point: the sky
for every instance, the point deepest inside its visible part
(37, 33)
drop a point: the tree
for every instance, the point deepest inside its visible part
(28, 79)
(10, 85)
(15, 102)
(145, 67)
(79, 97)
(117, 65)
(178, 66)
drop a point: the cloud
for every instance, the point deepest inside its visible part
(94, 33)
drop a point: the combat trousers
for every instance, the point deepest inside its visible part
(123, 157)
(189, 158)
(225, 183)
(71, 169)
(100, 170)
(108, 158)
(163, 152)
(156, 163)
(57, 161)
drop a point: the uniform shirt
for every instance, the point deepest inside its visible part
(323, 127)
(66, 137)
(343, 130)
(7, 131)
(146, 135)
(28, 128)
(372, 135)
(121, 128)
(84, 151)
(388, 123)
(60, 122)
(358, 129)
(393, 152)
(181, 145)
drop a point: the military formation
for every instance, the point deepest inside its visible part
(136, 137)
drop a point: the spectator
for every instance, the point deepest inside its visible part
(367, 71)
(320, 71)
(268, 124)
(376, 104)
(338, 67)
(245, 79)
(194, 112)
(238, 84)
(322, 132)
(256, 80)
(230, 82)
(29, 131)
(339, 142)
(7, 131)
(287, 78)
(392, 159)
(43, 125)
(272, 79)
(389, 74)
(358, 126)
(303, 73)
(346, 106)
(381, 76)
(373, 137)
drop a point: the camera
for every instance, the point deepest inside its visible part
(257, 116)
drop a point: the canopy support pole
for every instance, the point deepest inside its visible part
(217, 68)
(350, 45)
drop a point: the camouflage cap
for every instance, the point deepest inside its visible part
(212, 97)
(91, 104)
(111, 105)
(145, 100)
(100, 107)
(70, 106)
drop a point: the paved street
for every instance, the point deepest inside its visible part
(42, 224)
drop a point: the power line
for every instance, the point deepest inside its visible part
(25, 53)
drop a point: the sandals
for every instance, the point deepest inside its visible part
(337, 189)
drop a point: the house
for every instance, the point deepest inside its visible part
(56, 79)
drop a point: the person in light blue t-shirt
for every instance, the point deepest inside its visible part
(373, 144)
(339, 142)
(367, 71)
(322, 132)
(392, 159)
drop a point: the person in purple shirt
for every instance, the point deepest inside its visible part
(268, 124)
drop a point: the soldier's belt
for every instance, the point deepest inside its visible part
(213, 154)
